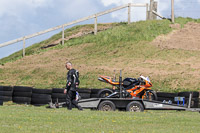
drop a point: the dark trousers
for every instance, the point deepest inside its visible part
(71, 99)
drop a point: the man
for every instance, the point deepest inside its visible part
(71, 86)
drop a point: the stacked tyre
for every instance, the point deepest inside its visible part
(1, 99)
(84, 93)
(41, 97)
(5, 93)
(94, 93)
(58, 95)
(166, 97)
(22, 94)
(194, 100)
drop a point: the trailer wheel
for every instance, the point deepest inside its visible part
(107, 106)
(135, 106)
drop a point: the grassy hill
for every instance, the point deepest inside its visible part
(121, 46)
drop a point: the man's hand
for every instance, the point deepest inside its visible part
(65, 91)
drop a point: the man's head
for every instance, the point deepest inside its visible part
(68, 65)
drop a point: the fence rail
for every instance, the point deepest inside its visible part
(77, 21)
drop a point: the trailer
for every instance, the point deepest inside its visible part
(134, 104)
(131, 105)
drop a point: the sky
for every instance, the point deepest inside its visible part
(19, 18)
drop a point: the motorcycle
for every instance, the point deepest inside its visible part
(131, 88)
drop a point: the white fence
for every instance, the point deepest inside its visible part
(94, 16)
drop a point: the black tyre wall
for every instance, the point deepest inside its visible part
(6, 88)
(84, 90)
(6, 98)
(59, 95)
(22, 94)
(22, 100)
(195, 94)
(6, 93)
(94, 95)
(95, 91)
(1, 102)
(57, 90)
(165, 94)
(41, 96)
(22, 89)
(58, 100)
(40, 101)
(84, 95)
(194, 102)
(42, 91)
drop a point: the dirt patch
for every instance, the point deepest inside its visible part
(186, 38)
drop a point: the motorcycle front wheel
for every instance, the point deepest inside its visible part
(150, 95)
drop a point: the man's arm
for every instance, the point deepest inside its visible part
(69, 80)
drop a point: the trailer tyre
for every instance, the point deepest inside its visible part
(107, 106)
(135, 106)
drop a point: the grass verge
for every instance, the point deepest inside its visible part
(19, 118)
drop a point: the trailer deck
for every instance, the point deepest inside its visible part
(123, 103)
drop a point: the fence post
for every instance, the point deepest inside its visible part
(151, 8)
(63, 34)
(172, 8)
(95, 25)
(155, 4)
(147, 12)
(129, 13)
(24, 47)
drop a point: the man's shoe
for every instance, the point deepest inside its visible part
(80, 108)
(69, 108)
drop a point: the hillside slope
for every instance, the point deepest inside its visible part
(126, 47)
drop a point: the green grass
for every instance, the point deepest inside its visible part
(36, 48)
(18, 118)
(123, 46)
(183, 21)
(118, 35)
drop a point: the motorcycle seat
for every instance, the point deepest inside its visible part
(131, 86)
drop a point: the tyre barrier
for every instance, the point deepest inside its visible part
(194, 100)
(58, 95)
(163, 96)
(37, 97)
(94, 93)
(41, 97)
(22, 94)
(1, 100)
(6, 93)
(42, 91)
(195, 94)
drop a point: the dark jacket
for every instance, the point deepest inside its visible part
(72, 80)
